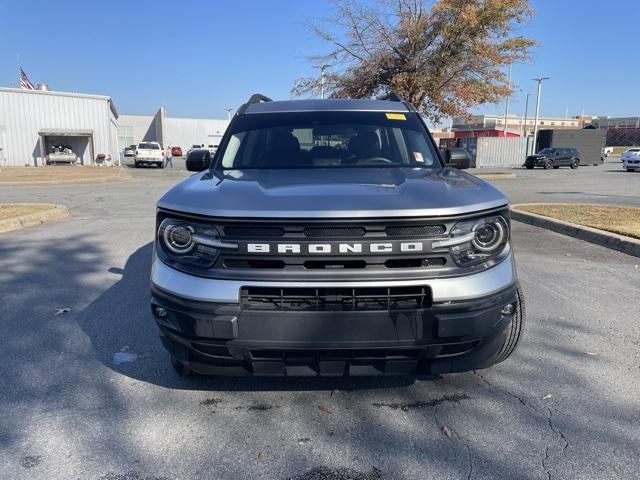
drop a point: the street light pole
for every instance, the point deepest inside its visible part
(535, 127)
(229, 110)
(526, 112)
(524, 125)
(322, 68)
(506, 107)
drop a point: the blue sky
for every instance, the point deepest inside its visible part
(197, 58)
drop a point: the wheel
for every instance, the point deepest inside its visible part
(548, 164)
(180, 368)
(575, 164)
(556, 167)
(136, 164)
(515, 329)
(160, 165)
(529, 167)
(631, 169)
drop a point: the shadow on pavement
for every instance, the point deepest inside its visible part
(119, 322)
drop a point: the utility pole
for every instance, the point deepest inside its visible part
(229, 110)
(506, 107)
(525, 133)
(322, 69)
(526, 111)
(535, 127)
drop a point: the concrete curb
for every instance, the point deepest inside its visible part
(621, 243)
(495, 176)
(56, 212)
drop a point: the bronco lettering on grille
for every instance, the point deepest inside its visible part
(336, 248)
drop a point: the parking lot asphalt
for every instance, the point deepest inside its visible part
(90, 394)
(608, 183)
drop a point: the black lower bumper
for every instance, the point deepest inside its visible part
(229, 340)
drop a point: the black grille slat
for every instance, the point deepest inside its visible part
(253, 231)
(415, 230)
(334, 232)
(348, 355)
(335, 299)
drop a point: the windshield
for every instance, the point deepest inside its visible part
(546, 151)
(328, 140)
(148, 146)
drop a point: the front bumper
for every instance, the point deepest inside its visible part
(631, 163)
(535, 162)
(149, 160)
(203, 324)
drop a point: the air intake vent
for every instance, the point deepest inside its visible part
(329, 232)
(335, 299)
(256, 232)
(415, 231)
(415, 262)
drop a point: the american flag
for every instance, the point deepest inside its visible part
(24, 81)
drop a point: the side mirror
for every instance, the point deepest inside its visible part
(458, 159)
(197, 163)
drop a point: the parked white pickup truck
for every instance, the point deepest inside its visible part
(149, 153)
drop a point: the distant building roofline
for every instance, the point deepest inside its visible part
(64, 94)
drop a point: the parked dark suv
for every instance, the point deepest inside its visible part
(554, 158)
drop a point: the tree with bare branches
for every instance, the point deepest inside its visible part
(443, 56)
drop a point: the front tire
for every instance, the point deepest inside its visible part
(548, 164)
(529, 167)
(516, 328)
(631, 169)
(575, 164)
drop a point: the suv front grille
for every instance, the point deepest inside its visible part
(301, 233)
(335, 299)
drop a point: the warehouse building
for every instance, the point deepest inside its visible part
(170, 131)
(32, 122)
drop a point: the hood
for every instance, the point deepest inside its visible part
(332, 193)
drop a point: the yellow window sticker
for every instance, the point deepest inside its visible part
(396, 116)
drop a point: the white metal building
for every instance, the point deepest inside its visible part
(31, 121)
(170, 131)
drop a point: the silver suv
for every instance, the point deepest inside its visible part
(328, 237)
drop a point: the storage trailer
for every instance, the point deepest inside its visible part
(589, 143)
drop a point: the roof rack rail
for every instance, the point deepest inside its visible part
(255, 98)
(393, 96)
(258, 97)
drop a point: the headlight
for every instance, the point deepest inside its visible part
(472, 242)
(178, 238)
(190, 243)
